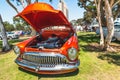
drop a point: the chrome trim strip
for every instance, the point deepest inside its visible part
(44, 54)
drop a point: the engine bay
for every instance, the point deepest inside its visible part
(53, 41)
(50, 39)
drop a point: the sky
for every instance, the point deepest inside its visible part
(75, 12)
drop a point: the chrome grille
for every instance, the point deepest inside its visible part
(45, 58)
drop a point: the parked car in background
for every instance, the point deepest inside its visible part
(0, 36)
(10, 35)
(79, 28)
(55, 49)
(20, 32)
(116, 35)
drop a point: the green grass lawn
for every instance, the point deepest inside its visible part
(95, 65)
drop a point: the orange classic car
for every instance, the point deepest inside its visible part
(55, 49)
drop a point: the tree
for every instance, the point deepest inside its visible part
(5, 45)
(110, 24)
(80, 21)
(20, 24)
(109, 11)
(73, 22)
(98, 5)
(8, 26)
(77, 22)
(88, 17)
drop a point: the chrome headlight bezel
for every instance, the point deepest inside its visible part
(16, 50)
(72, 53)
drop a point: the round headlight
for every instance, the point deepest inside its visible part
(72, 53)
(16, 50)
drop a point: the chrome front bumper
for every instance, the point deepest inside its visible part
(46, 61)
(38, 67)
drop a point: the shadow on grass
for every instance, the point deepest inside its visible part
(89, 38)
(91, 48)
(111, 58)
(51, 75)
(92, 41)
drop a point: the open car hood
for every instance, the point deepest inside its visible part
(41, 15)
